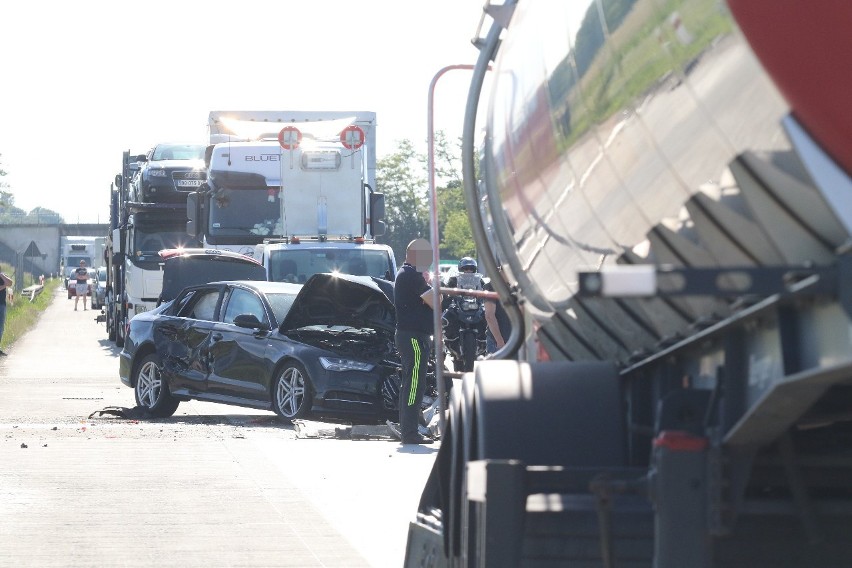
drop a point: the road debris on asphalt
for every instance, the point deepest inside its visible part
(134, 413)
(313, 429)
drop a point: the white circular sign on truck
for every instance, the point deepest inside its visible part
(289, 137)
(352, 137)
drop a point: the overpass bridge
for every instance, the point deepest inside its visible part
(34, 248)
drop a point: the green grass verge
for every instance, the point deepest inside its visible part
(22, 314)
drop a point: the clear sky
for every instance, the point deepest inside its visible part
(80, 82)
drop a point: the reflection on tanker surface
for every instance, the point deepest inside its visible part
(648, 133)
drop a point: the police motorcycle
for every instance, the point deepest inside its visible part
(464, 318)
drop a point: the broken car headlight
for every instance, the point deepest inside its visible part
(336, 364)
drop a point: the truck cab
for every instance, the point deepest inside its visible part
(149, 230)
(310, 176)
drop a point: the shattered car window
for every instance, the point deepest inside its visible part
(203, 308)
(280, 304)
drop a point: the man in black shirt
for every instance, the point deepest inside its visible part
(81, 275)
(413, 298)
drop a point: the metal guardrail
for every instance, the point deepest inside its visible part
(32, 291)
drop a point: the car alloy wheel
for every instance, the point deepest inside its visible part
(291, 393)
(152, 392)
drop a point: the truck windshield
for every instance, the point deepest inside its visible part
(74, 261)
(151, 240)
(253, 213)
(297, 265)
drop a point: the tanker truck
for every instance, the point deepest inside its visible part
(667, 190)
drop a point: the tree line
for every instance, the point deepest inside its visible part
(11, 215)
(403, 178)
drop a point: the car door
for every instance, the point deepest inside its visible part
(187, 338)
(237, 355)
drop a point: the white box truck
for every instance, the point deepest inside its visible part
(295, 180)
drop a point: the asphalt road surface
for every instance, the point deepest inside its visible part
(212, 486)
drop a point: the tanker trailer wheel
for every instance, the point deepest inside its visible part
(554, 414)
(462, 442)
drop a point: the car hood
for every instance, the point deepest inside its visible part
(342, 300)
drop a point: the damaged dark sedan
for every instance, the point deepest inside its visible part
(324, 348)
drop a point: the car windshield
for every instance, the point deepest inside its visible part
(178, 152)
(297, 265)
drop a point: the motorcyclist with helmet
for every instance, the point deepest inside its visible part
(467, 265)
(461, 313)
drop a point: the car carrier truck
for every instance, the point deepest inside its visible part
(296, 189)
(138, 231)
(668, 194)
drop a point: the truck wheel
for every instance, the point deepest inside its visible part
(110, 317)
(291, 392)
(515, 411)
(152, 392)
(121, 326)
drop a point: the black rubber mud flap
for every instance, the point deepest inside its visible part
(425, 547)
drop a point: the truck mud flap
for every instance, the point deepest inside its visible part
(425, 547)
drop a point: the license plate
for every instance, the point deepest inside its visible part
(189, 182)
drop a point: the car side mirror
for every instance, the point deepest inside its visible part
(250, 321)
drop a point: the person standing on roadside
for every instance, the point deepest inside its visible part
(413, 298)
(5, 283)
(82, 277)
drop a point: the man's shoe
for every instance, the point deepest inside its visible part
(418, 440)
(2, 353)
